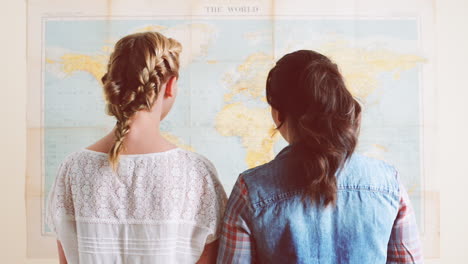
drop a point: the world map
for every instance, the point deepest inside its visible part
(221, 110)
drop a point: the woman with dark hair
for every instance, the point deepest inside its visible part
(317, 201)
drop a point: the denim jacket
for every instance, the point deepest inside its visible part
(287, 228)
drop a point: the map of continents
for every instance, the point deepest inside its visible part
(221, 110)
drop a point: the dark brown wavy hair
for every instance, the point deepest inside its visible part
(308, 90)
(138, 67)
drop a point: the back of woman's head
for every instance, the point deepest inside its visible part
(308, 91)
(138, 67)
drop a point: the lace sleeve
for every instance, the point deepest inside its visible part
(212, 200)
(59, 202)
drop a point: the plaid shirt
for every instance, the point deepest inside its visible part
(238, 246)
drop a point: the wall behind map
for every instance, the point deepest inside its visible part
(452, 79)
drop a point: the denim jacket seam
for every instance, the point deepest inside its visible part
(370, 189)
(284, 196)
(280, 197)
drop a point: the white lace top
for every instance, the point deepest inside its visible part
(156, 208)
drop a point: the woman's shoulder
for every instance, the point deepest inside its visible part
(202, 169)
(202, 175)
(82, 157)
(363, 164)
(83, 161)
(371, 173)
(198, 162)
(70, 158)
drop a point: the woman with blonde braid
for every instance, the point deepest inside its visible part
(134, 197)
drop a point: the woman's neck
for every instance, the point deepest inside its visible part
(144, 136)
(145, 140)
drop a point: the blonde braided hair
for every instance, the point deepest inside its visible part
(139, 66)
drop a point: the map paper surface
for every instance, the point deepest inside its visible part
(221, 110)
